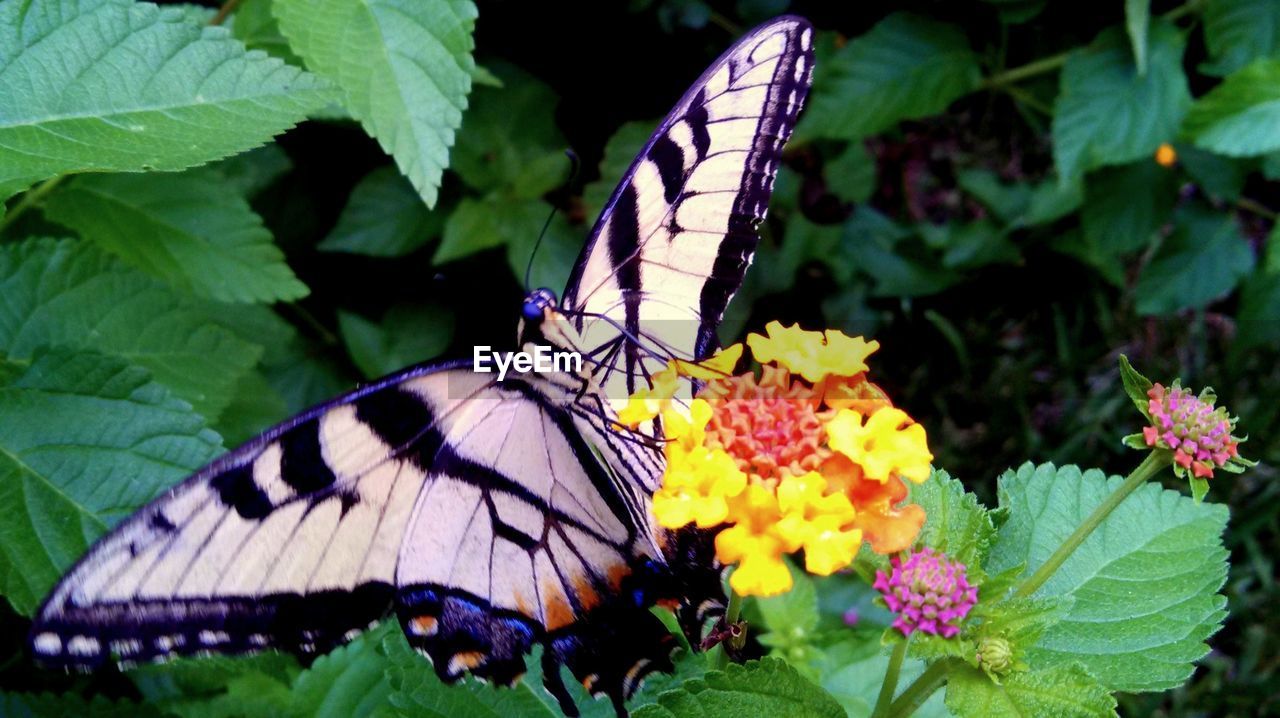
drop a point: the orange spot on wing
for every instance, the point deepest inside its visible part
(587, 596)
(555, 607)
(616, 573)
(523, 606)
(423, 625)
(468, 659)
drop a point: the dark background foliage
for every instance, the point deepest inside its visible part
(1000, 334)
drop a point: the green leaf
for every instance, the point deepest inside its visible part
(384, 217)
(853, 670)
(619, 151)
(403, 66)
(65, 292)
(905, 67)
(1061, 691)
(1144, 583)
(957, 525)
(1136, 386)
(255, 405)
(876, 246)
(969, 245)
(1259, 307)
(416, 691)
(348, 681)
(1021, 204)
(219, 686)
(1203, 260)
(766, 687)
(509, 140)
(193, 230)
(1238, 32)
(1125, 206)
(48, 705)
(1241, 116)
(1109, 114)
(84, 440)
(114, 85)
(851, 176)
(791, 617)
(255, 26)
(251, 172)
(406, 335)
(1222, 178)
(480, 224)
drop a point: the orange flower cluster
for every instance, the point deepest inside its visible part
(807, 455)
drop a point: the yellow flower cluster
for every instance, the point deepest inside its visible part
(808, 456)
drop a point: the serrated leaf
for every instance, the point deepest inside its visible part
(1107, 113)
(416, 690)
(192, 230)
(1125, 206)
(1136, 386)
(905, 67)
(1062, 692)
(84, 439)
(219, 686)
(49, 705)
(406, 335)
(957, 523)
(114, 85)
(1237, 32)
(480, 224)
(1021, 204)
(1144, 583)
(874, 244)
(1203, 260)
(619, 151)
(349, 681)
(403, 66)
(851, 175)
(384, 217)
(766, 687)
(1241, 116)
(66, 292)
(509, 140)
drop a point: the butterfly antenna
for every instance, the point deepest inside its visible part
(575, 165)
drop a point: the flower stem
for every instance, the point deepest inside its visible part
(890, 684)
(921, 688)
(731, 615)
(1154, 462)
(30, 199)
(1029, 70)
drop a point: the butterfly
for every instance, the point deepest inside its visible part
(490, 516)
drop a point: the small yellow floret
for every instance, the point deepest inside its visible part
(812, 355)
(889, 442)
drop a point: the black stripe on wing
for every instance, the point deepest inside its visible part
(84, 622)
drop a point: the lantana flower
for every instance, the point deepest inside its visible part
(929, 592)
(1198, 433)
(807, 455)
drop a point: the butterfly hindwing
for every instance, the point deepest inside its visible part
(677, 236)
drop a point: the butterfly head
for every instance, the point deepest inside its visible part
(536, 303)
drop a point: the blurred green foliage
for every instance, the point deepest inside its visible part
(1006, 193)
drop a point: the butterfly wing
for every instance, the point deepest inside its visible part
(290, 541)
(675, 239)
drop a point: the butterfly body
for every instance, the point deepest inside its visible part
(489, 516)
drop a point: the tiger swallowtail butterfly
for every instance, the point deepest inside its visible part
(490, 516)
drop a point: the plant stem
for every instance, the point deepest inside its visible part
(30, 199)
(1250, 205)
(1154, 462)
(890, 684)
(731, 615)
(921, 688)
(227, 8)
(1029, 70)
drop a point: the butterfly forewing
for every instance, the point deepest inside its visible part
(678, 234)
